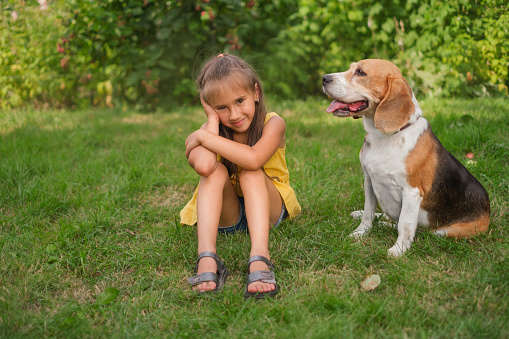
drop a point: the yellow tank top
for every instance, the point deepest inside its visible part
(275, 169)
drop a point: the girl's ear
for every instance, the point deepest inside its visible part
(257, 93)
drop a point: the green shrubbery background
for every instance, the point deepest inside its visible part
(79, 53)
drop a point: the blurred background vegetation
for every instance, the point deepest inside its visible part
(145, 53)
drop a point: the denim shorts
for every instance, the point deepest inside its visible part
(241, 224)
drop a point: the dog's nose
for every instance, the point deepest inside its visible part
(326, 79)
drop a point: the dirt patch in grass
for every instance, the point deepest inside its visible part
(327, 279)
(170, 197)
(78, 291)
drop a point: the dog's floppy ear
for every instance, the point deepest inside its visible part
(396, 107)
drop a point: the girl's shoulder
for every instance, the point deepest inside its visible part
(271, 115)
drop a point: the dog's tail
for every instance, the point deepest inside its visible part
(465, 229)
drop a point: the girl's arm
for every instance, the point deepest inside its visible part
(248, 157)
(201, 159)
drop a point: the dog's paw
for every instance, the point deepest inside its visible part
(359, 231)
(441, 233)
(383, 216)
(394, 252)
(388, 224)
(398, 249)
(357, 214)
(356, 235)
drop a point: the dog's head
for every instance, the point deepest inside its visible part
(371, 88)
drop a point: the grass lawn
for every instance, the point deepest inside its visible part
(91, 244)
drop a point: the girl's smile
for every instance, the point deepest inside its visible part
(239, 123)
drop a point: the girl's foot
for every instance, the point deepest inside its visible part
(259, 286)
(261, 281)
(211, 273)
(206, 264)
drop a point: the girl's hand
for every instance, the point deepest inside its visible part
(192, 142)
(211, 113)
(211, 126)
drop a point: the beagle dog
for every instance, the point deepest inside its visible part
(407, 171)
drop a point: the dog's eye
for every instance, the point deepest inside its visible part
(360, 72)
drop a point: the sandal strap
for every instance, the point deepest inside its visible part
(203, 277)
(265, 276)
(219, 262)
(260, 258)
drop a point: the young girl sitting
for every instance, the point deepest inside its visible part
(239, 154)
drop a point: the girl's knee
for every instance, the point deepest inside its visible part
(219, 171)
(247, 177)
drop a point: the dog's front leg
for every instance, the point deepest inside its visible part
(368, 215)
(407, 224)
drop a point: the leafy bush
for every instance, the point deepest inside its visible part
(146, 52)
(152, 46)
(31, 68)
(469, 51)
(444, 48)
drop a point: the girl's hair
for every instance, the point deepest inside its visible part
(230, 72)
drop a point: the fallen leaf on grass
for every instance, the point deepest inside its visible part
(371, 282)
(107, 296)
(52, 259)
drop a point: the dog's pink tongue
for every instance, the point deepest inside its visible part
(354, 106)
(335, 105)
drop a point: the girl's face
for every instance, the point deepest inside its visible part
(235, 107)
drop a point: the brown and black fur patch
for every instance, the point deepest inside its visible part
(421, 165)
(456, 198)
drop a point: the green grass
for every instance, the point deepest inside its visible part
(89, 200)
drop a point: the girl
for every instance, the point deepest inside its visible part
(239, 154)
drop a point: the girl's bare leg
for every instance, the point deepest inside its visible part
(263, 207)
(217, 205)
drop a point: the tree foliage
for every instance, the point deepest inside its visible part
(456, 48)
(33, 64)
(147, 52)
(152, 46)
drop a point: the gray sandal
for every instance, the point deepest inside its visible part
(265, 276)
(219, 278)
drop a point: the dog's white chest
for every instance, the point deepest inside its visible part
(385, 166)
(383, 161)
